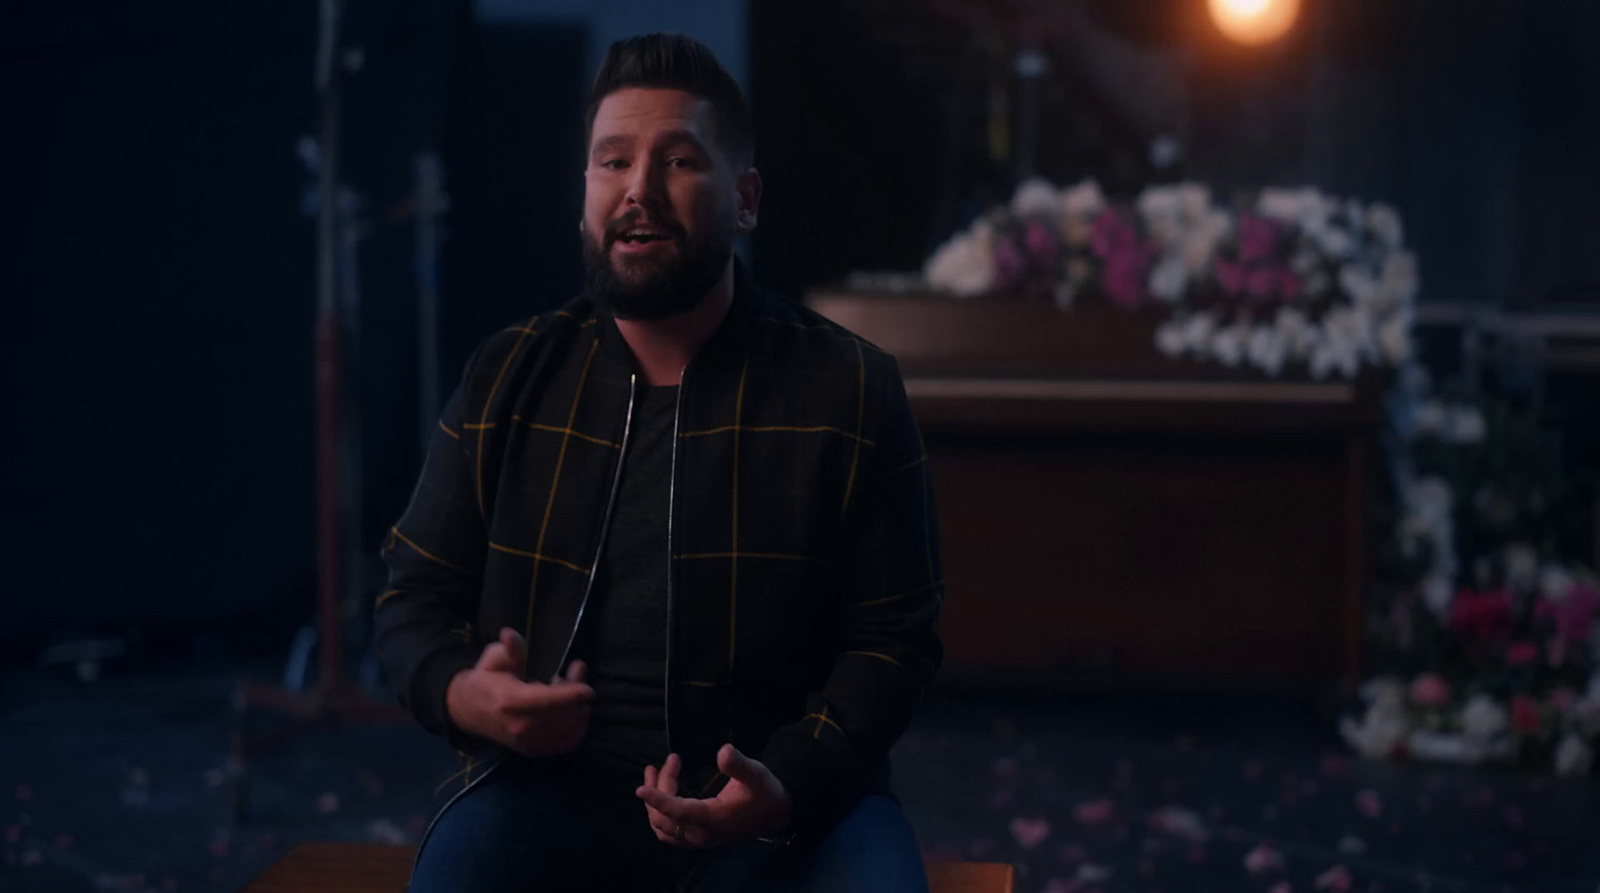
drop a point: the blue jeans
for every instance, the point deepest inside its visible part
(532, 826)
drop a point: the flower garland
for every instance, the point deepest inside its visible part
(1489, 639)
(1296, 278)
(1488, 636)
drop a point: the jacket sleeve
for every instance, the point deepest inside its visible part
(890, 647)
(434, 553)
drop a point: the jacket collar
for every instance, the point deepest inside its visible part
(728, 343)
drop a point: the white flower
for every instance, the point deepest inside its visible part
(1197, 330)
(964, 265)
(1483, 719)
(1306, 207)
(1333, 241)
(1430, 418)
(1379, 732)
(1384, 221)
(1385, 690)
(1161, 207)
(1522, 566)
(1298, 335)
(1347, 338)
(1400, 275)
(1083, 201)
(1394, 338)
(1331, 355)
(1430, 499)
(1465, 424)
(1036, 197)
(1160, 201)
(1266, 349)
(1195, 199)
(1228, 343)
(1206, 231)
(1445, 748)
(1168, 277)
(1585, 712)
(1357, 283)
(1437, 593)
(1170, 338)
(1555, 584)
(1573, 756)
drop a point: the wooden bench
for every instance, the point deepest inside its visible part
(325, 867)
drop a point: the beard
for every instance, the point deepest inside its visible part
(654, 287)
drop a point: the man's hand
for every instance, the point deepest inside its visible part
(532, 718)
(752, 804)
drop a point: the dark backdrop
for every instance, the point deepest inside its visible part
(158, 471)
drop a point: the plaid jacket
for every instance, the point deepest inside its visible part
(804, 587)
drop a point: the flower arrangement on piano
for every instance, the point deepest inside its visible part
(1296, 277)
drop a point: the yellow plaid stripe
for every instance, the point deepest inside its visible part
(537, 557)
(488, 402)
(822, 718)
(861, 409)
(561, 457)
(421, 551)
(566, 431)
(811, 429)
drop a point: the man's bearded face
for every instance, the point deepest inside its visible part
(660, 204)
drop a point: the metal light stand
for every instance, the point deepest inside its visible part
(331, 701)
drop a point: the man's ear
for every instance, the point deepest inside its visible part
(749, 190)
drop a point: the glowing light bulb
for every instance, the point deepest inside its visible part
(1254, 21)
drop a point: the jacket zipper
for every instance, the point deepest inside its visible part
(672, 486)
(605, 527)
(627, 425)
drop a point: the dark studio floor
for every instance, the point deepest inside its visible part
(117, 785)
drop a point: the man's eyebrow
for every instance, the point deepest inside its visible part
(666, 138)
(682, 136)
(605, 143)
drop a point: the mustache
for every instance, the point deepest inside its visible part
(616, 228)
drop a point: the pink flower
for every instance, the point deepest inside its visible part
(1481, 615)
(1573, 616)
(1126, 258)
(1263, 859)
(1009, 264)
(1257, 237)
(1029, 832)
(1041, 244)
(1521, 654)
(1430, 690)
(1525, 716)
(1093, 812)
(1124, 279)
(1369, 803)
(1230, 275)
(1336, 879)
(1562, 699)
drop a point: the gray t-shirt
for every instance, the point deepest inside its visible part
(623, 639)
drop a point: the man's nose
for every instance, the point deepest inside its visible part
(645, 186)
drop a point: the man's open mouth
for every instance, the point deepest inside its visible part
(641, 237)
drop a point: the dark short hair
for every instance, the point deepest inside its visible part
(677, 62)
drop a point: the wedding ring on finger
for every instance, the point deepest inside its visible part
(677, 832)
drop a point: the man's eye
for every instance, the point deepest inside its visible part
(680, 161)
(613, 164)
